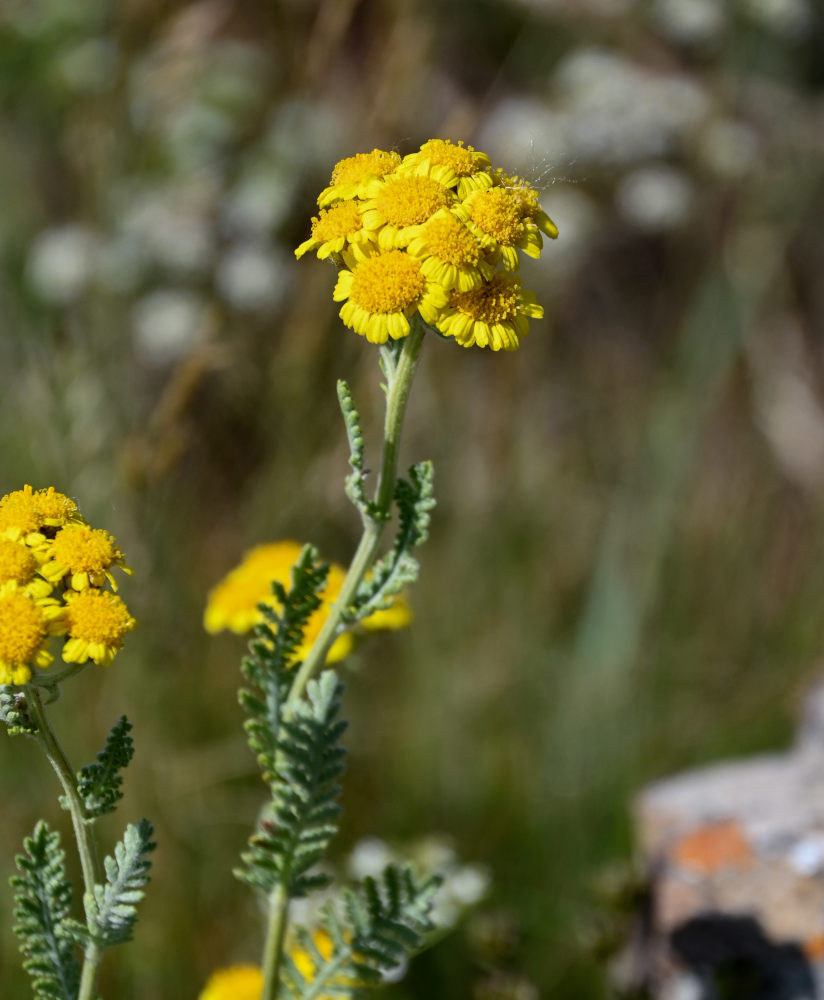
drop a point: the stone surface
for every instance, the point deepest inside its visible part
(734, 854)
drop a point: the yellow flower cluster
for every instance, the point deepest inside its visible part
(234, 603)
(438, 233)
(54, 569)
(245, 982)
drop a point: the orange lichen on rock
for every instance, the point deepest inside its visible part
(712, 848)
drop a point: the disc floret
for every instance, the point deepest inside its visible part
(26, 623)
(83, 555)
(381, 291)
(96, 622)
(495, 315)
(351, 174)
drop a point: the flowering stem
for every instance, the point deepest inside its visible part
(399, 371)
(83, 831)
(278, 913)
(398, 383)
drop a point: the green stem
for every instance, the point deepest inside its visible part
(399, 382)
(399, 374)
(273, 949)
(83, 831)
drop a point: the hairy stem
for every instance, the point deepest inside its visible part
(273, 949)
(399, 374)
(399, 382)
(83, 831)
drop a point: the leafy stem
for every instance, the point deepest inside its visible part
(83, 831)
(398, 365)
(399, 371)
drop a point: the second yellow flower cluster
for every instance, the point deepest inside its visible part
(437, 232)
(55, 571)
(234, 603)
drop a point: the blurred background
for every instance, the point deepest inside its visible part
(624, 576)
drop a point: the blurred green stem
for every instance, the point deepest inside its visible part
(399, 369)
(83, 832)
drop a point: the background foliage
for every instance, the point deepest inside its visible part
(624, 575)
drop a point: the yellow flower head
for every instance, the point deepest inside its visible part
(433, 234)
(381, 292)
(26, 622)
(233, 603)
(527, 197)
(27, 511)
(96, 621)
(19, 563)
(351, 175)
(397, 206)
(334, 228)
(450, 254)
(245, 982)
(453, 164)
(237, 982)
(494, 315)
(496, 217)
(84, 555)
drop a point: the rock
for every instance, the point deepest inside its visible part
(734, 854)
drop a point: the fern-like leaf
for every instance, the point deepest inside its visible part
(271, 661)
(41, 908)
(293, 835)
(398, 568)
(382, 924)
(354, 484)
(112, 907)
(99, 783)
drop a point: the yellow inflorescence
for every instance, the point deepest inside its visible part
(53, 571)
(463, 224)
(245, 982)
(237, 982)
(234, 603)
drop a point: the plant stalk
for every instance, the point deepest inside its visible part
(83, 832)
(398, 383)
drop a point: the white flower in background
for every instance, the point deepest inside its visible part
(173, 227)
(521, 132)
(61, 262)
(305, 132)
(620, 112)
(369, 857)
(253, 277)
(469, 884)
(167, 324)
(260, 200)
(655, 198)
(691, 22)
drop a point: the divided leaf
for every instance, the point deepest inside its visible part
(270, 665)
(99, 783)
(294, 833)
(41, 908)
(398, 568)
(383, 924)
(354, 483)
(112, 908)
